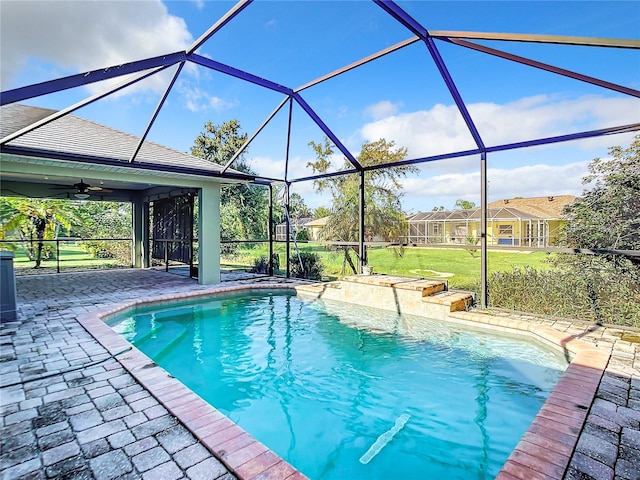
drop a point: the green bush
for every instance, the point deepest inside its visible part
(120, 251)
(302, 235)
(261, 264)
(312, 266)
(597, 296)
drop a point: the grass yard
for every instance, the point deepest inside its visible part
(72, 255)
(457, 266)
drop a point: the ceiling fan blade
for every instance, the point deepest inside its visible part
(81, 187)
(98, 189)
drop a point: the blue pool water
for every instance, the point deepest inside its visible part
(347, 392)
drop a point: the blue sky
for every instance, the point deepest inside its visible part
(400, 97)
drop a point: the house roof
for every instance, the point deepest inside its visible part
(550, 207)
(298, 222)
(318, 222)
(497, 213)
(74, 137)
(534, 208)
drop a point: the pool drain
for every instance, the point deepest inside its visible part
(385, 438)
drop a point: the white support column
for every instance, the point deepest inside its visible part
(146, 235)
(138, 232)
(209, 235)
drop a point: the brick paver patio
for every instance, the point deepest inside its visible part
(70, 410)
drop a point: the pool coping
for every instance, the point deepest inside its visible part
(544, 451)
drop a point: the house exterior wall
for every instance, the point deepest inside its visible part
(555, 230)
(507, 233)
(533, 222)
(314, 232)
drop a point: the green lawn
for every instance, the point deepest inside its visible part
(457, 266)
(72, 255)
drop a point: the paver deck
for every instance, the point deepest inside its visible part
(68, 409)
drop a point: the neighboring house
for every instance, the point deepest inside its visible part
(297, 224)
(519, 222)
(314, 227)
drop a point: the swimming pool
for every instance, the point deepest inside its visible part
(383, 396)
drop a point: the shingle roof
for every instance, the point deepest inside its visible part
(496, 213)
(78, 137)
(318, 222)
(550, 207)
(534, 208)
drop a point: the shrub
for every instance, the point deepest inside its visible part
(587, 295)
(120, 251)
(472, 242)
(302, 235)
(312, 266)
(261, 264)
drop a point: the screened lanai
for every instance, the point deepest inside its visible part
(505, 227)
(294, 108)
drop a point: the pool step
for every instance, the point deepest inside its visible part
(418, 296)
(457, 301)
(156, 346)
(318, 288)
(426, 287)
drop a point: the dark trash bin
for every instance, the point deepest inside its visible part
(9, 310)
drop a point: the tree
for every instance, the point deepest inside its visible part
(464, 204)
(383, 212)
(321, 212)
(297, 208)
(219, 143)
(243, 207)
(607, 216)
(34, 218)
(105, 220)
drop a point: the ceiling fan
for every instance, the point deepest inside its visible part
(83, 190)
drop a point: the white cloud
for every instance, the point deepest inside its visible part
(382, 109)
(274, 168)
(68, 37)
(197, 100)
(428, 191)
(442, 129)
(80, 35)
(527, 181)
